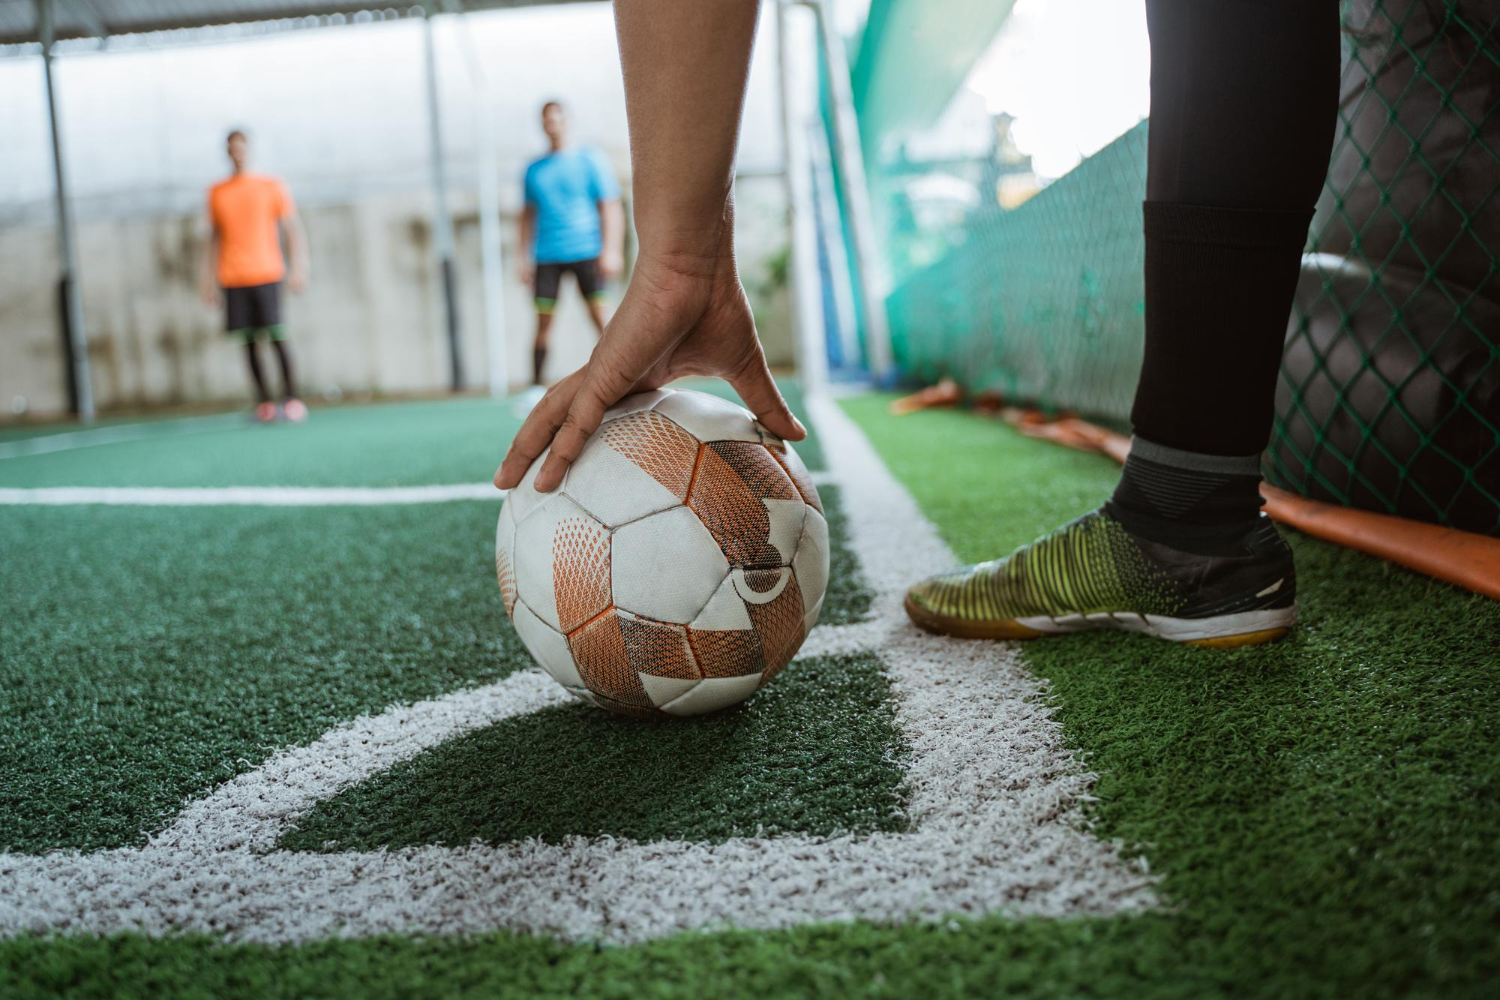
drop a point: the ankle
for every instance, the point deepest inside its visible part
(1205, 504)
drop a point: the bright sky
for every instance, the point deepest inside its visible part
(1074, 73)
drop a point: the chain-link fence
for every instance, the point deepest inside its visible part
(1042, 303)
(1389, 396)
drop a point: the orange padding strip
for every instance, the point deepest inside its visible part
(1461, 557)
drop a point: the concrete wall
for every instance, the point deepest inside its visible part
(371, 321)
(340, 115)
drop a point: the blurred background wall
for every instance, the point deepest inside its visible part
(339, 114)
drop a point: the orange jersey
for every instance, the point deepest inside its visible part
(245, 211)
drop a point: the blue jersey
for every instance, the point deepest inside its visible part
(565, 188)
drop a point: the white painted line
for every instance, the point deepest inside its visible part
(44, 444)
(253, 810)
(992, 794)
(247, 496)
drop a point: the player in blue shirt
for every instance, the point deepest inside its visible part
(573, 213)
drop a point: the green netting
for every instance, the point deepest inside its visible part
(1389, 396)
(1043, 303)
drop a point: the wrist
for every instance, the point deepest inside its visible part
(698, 246)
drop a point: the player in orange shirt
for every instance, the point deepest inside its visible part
(249, 213)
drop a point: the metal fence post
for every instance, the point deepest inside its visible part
(75, 338)
(442, 220)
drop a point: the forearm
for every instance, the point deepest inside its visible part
(685, 64)
(525, 234)
(612, 227)
(296, 246)
(208, 263)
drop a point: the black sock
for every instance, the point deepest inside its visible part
(1219, 284)
(538, 361)
(286, 368)
(255, 373)
(1206, 504)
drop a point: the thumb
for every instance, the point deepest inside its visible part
(754, 384)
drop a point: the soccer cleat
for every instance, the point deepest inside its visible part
(294, 410)
(1093, 574)
(264, 413)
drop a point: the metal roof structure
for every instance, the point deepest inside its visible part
(20, 20)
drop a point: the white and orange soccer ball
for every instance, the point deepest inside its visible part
(678, 567)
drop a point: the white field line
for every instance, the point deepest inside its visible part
(255, 496)
(68, 440)
(246, 496)
(993, 800)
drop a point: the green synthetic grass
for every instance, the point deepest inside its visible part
(10, 433)
(1046, 960)
(815, 752)
(1325, 811)
(848, 596)
(400, 444)
(150, 653)
(403, 444)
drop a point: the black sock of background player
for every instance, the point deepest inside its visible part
(538, 362)
(1206, 504)
(255, 373)
(285, 357)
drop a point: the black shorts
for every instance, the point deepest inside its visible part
(252, 308)
(549, 279)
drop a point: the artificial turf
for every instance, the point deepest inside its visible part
(1324, 813)
(401, 444)
(150, 653)
(817, 752)
(848, 597)
(405, 444)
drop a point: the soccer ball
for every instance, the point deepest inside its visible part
(679, 565)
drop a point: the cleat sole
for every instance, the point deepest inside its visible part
(1249, 628)
(960, 628)
(1243, 639)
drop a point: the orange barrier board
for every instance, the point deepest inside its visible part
(1459, 557)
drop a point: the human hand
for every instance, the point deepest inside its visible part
(209, 294)
(527, 272)
(677, 318)
(297, 281)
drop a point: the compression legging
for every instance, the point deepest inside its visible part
(1244, 97)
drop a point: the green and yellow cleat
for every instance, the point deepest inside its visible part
(1093, 574)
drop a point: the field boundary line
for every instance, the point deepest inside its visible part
(245, 496)
(43, 444)
(993, 795)
(256, 496)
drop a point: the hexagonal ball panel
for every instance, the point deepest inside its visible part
(666, 566)
(562, 564)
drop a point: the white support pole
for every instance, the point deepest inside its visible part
(442, 220)
(80, 384)
(491, 259)
(831, 227)
(491, 262)
(850, 158)
(807, 301)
